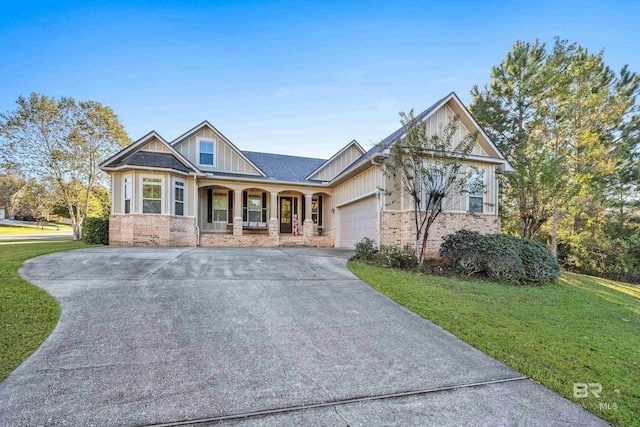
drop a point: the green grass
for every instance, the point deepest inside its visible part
(18, 229)
(581, 330)
(27, 313)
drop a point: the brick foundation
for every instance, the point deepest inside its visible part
(397, 227)
(151, 230)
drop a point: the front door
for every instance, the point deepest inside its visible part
(286, 214)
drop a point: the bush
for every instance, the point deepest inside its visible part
(396, 257)
(500, 257)
(95, 231)
(366, 250)
(611, 258)
(388, 256)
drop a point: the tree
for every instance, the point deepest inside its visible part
(569, 104)
(508, 110)
(35, 199)
(63, 141)
(10, 184)
(430, 169)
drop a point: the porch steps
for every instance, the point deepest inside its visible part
(291, 241)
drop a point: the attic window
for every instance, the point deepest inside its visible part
(207, 153)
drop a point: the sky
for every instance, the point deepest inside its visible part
(284, 77)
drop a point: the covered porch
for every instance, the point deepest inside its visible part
(249, 215)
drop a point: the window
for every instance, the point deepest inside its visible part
(206, 153)
(127, 195)
(254, 208)
(151, 195)
(434, 190)
(220, 207)
(314, 210)
(476, 192)
(179, 198)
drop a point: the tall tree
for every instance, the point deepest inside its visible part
(430, 169)
(62, 140)
(508, 109)
(568, 103)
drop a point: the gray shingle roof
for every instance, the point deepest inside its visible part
(284, 168)
(159, 160)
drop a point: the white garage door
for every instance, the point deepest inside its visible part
(356, 221)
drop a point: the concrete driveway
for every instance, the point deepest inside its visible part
(163, 335)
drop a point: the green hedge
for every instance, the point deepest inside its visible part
(500, 257)
(95, 231)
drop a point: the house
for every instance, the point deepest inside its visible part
(200, 189)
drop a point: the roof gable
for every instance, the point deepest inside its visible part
(338, 162)
(453, 102)
(150, 151)
(232, 160)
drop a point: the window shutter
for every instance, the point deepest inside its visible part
(295, 205)
(264, 207)
(319, 210)
(244, 206)
(230, 207)
(304, 207)
(209, 205)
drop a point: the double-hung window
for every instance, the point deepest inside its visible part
(254, 208)
(178, 190)
(151, 195)
(434, 189)
(220, 207)
(476, 192)
(127, 195)
(207, 153)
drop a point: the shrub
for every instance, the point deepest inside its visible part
(604, 257)
(366, 250)
(500, 257)
(395, 257)
(95, 231)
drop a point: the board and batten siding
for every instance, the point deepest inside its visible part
(364, 184)
(226, 157)
(455, 203)
(337, 165)
(438, 121)
(155, 146)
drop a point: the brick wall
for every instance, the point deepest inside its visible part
(398, 227)
(151, 230)
(222, 239)
(166, 230)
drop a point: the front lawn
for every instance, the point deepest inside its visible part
(582, 330)
(20, 229)
(27, 313)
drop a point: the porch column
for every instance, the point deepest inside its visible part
(237, 213)
(308, 222)
(273, 218)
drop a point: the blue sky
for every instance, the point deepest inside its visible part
(284, 77)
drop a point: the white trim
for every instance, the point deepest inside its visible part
(201, 139)
(149, 168)
(163, 209)
(355, 199)
(335, 156)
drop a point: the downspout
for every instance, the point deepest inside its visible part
(380, 206)
(196, 201)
